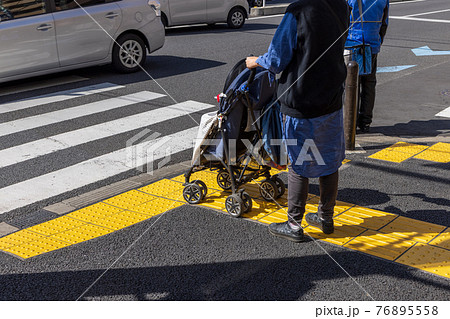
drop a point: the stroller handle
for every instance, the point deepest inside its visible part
(252, 76)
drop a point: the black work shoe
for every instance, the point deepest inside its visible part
(364, 128)
(327, 226)
(285, 231)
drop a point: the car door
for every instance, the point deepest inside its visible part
(217, 10)
(187, 11)
(85, 34)
(27, 37)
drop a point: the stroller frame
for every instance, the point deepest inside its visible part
(230, 177)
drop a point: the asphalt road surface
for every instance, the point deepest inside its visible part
(196, 254)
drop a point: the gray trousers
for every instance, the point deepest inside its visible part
(298, 195)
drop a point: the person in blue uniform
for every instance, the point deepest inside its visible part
(373, 29)
(307, 49)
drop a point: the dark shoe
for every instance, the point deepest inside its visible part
(364, 128)
(283, 230)
(327, 226)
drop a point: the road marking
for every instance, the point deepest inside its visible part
(58, 97)
(425, 13)
(418, 19)
(265, 17)
(406, 2)
(393, 69)
(90, 171)
(425, 51)
(444, 113)
(75, 112)
(35, 85)
(62, 141)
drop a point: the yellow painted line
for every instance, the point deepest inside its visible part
(381, 245)
(439, 152)
(429, 258)
(82, 234)
(411, 229)
(366, 217)
(443, 240)
(56, 226)
(129, 199)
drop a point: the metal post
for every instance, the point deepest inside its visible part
(264, 3)
(351, 105)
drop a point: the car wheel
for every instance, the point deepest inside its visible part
(236, 18)
(129, 54)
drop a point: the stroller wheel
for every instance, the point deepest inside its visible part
(268, 190)
(234, 205)
(280, 185)
(202, 186)
(192, 193)
(248, 203)
(224, 180)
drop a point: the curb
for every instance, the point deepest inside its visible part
(280, 9)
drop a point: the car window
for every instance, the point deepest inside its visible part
(73, 4)
(14, 9)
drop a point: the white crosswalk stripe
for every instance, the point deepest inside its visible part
(32, 122)
(95, 167)
(58, 97)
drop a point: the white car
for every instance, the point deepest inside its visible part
(44, 36)
(182, 12)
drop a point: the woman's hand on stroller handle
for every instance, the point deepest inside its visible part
(250, 62)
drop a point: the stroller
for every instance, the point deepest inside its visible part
(230, 141)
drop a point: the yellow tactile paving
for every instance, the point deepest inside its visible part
(162, 187)
(407, 148)
(129, 199)
(366, 217)
(429, 258)
(207, 177)
(81, 234)
(18, 238)
(411, 229)
(443, 240)
(342, 233)
(439, 152)
(399, 152)
(215, 200)
(56, 225)
(37, 247)
(260, 208)
(278, 216)
(94, 212)
(121, 220)
(341, 206)
(381, 245)
(390, 156)
(157, 206)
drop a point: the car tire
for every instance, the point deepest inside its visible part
(122, 60)
(236, 18)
